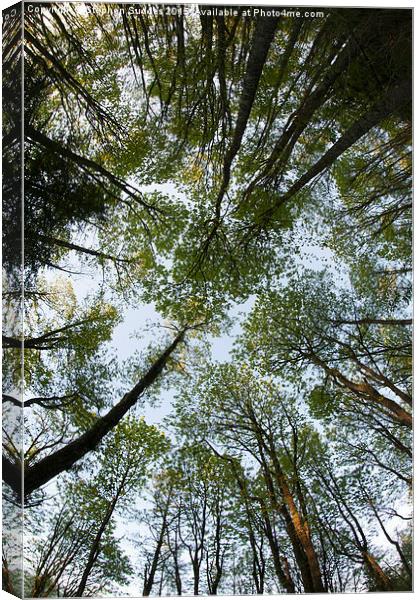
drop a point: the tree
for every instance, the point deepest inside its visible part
(314, 327)
(239, 176)
(245, 414)
(82, 556)
(63, 459)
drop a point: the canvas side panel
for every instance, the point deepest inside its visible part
(12, 300)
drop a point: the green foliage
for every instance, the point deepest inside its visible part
(178, 168)
(321, 403)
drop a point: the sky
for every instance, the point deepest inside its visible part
(139, 318)
(137, 330)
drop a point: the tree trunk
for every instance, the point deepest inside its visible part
(262, 39)
(301, 528)
(372, 321)
(215, 582)
(307, 109)
(367, 391)
(381, 579)
(7, 585)
(95, 548)
(70, 246)
(37, 343)
(178, 579)
(149, 581)
(284, 578)
(86, 164)
(396, 99)
(195, 569)
(63, 459)
(174, 552)
(304, 553)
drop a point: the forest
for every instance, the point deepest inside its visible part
(207, 329)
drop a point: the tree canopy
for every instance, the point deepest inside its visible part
(244, 181)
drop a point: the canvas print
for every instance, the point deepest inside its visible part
(207, 299)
